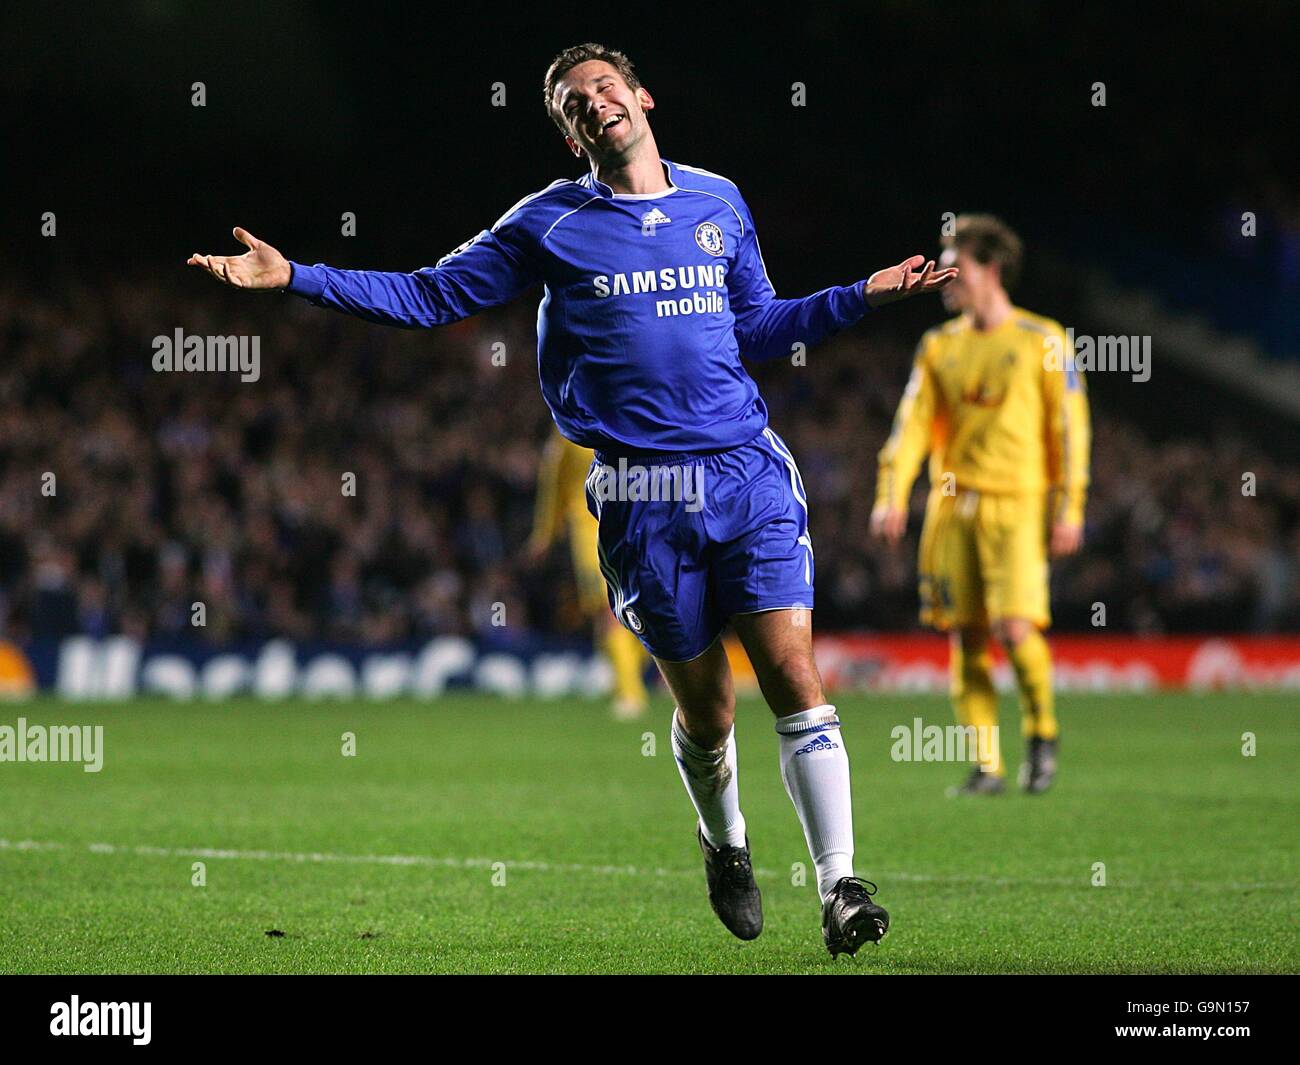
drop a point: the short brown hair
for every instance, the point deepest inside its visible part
(575, 56)
(988, 240)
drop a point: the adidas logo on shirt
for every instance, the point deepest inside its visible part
(655, 217)
(817, 743)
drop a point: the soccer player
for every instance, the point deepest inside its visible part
(562, 508)
(1003, 415)
(654, 290)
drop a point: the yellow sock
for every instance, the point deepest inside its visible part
(974, 699)
(1031, 658)
(627, 656)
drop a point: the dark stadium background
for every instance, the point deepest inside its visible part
(192, 488)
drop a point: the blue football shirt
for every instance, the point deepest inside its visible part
(650, 301)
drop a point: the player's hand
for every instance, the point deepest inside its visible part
(1067, 538)
(908, 278)
(888, 524)
(261, 267)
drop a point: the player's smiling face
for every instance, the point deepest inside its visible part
(605, 118)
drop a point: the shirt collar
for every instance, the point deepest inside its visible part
(592, 182)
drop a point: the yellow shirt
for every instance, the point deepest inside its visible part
(996, 411)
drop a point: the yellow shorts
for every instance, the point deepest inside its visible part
(593, 592)
(984, 558)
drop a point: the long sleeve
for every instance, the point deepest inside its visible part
(490, 269)
(548, 514)
(767, 327)
(1069, 438)
(912, 436)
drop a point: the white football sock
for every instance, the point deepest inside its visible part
(815, 768)
(710, 779)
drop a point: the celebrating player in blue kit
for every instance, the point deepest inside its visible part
(654, 289)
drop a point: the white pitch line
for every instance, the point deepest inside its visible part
(425, 860)
(429, 861)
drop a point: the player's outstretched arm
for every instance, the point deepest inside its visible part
(906, 279)
(261, 267)
(493, 267)
(767, 327)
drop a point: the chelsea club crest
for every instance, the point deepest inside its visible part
(709, 237)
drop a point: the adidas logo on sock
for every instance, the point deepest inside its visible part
(817, 743)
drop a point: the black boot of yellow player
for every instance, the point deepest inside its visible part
(1038, 770)
(979, 783)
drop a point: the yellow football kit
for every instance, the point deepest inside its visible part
(1004, 421)
(562, 507)
(1003, 417)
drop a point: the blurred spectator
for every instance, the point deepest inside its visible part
(171, 489)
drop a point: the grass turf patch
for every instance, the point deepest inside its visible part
(475, 834)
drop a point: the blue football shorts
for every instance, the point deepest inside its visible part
(689, 540)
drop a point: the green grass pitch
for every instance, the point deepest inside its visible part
(386, 861)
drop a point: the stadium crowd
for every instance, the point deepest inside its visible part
(127, 495)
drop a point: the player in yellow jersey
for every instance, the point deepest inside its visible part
(1003, 416)
(562, 506)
